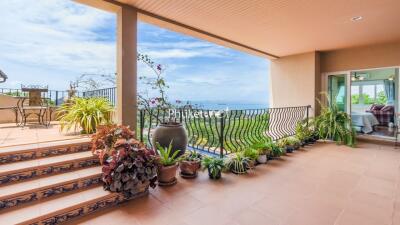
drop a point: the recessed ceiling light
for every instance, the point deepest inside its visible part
(356, 18)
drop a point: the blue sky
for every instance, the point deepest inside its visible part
(54, 41)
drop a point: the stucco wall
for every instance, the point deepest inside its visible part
(7, 116)
(373, 56)
(295, 80)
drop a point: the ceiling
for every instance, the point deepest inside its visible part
(285, 27)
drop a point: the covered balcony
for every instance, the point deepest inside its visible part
(312, 172)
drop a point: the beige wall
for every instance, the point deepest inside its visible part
(7, 116)
(373, 56)
(294, 80)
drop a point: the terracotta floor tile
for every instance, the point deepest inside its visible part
(160, 215)
(377, 186)
(324, 184)
(208, 215)
(351, 218)
(251, 216)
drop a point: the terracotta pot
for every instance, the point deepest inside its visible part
(167, 175)
(189, 168)
(167, 132)
(262, 159)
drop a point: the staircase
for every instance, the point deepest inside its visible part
(50, 183)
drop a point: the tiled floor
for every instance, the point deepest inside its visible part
(11, 135)
(324, 184)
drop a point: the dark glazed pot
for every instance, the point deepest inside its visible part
(172, 131)
(217, 176)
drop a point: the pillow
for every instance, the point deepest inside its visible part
(387, 108)
(376, 107)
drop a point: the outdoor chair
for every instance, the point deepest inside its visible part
(34, 104)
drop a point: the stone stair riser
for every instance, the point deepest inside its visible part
(83, 209)
(45, 192)
(48, 169)
(17, 156)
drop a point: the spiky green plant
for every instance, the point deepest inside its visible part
(167, 157)
(276, 150)
(214, 165)
(304, 129)
(251, 153)
(86, 113)
(263, 147)
(238, 163)
(335, 125)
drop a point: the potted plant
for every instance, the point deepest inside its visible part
(128, 167)
(167, 132)
(168, 129)
(189, 164)
(294, 142)
(86, 113)
(304, 133)
(214, 166)
(252, 155)
(276, 151)
(264, 149)
(334, 124)
(237, 163)
(284, 145)
(168, 164)
(106, 136)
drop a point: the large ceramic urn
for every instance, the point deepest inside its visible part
(171, 131)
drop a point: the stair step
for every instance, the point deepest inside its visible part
(43, 166)
(32, 190)
(66, 207)
(32, 151)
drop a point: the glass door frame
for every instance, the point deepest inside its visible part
(325, 86)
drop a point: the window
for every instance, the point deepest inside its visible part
(367, 93)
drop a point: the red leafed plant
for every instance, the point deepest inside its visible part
(106, 136)
(128, 166)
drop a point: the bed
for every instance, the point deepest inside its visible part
(365, 121)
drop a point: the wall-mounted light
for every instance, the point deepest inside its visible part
(3, 77)
(356, 18)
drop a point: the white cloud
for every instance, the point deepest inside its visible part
(53, 41)
(55, 34)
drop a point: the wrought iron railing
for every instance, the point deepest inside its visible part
(58, 97)
(55, 97)
(224, 132)
(108, 93)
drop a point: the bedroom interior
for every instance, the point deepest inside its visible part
(373, 98)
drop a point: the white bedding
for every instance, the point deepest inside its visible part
(366, 121)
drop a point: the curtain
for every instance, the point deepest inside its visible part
(389, 91)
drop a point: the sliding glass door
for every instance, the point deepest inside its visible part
(337, 91)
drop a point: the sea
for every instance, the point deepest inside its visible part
(228, 105)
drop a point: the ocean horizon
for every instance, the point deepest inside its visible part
(228, 105)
